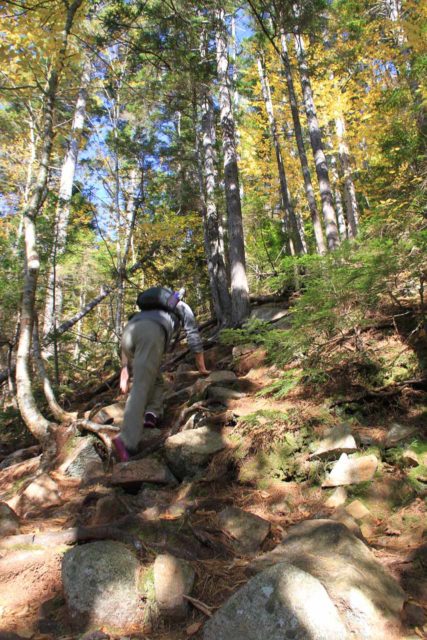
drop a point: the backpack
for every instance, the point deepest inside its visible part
(158, 298)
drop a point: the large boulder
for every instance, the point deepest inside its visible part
(103, 586)
(81, 460)
(282, 603)
(370, 601)
(188, 452)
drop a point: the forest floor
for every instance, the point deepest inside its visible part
(265, 469)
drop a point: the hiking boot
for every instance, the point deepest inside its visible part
(122, 454)
(150, 420)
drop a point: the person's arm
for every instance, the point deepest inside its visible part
(124, 375)
(193, 337)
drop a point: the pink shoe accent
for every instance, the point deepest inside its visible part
(120, 449)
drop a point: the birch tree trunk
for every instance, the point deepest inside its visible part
(351, 207)
(53, 301)
(290, 217)
(212, 224)
(36, 423)
(332, 237)
(239, 284)
(308, 185)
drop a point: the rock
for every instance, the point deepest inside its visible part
(223, 395)
(9, 521)
(42, 492)
(222, 376)
(113, 412)
(95, 635)
(342, 516)
(101, 586)
(133, 473)
(410, 458)
(252, 360)
(248, 530)
(243, 350)
(281, 603)
(414, 615)
(357, 510)
(338, 441)
(173, 579)
(108, 509)
(351, 470)
(397, 433)
(337, 498)
(370, 601)
(82, 461)
(189, 451)
(149, 436)
(269, 312)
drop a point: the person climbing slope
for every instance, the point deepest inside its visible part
(145, 338)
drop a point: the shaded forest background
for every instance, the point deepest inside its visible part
(237, 149)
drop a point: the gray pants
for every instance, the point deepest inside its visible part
(143, 342)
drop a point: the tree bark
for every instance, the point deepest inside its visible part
(288, 208)
(239, 283)
(352, 209)
(213, 231)
(293, 102)
(54, 286)
(332, 236)
(36, 423)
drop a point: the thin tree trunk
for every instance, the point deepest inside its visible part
(288, 208)
(352, 209)
(332, 236)
(239, 284)
(53, 302)
(36, 423)
(293, 102)
(77, 346)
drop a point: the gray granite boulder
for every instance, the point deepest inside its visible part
(189, 451)
(102, 586)
(247, 530)
(351, 471)
(281, 603)
(370, 601)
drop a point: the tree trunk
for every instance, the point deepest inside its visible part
(332, 237)
(53, 301)
(36, 423)
(352, 209)
(315, 218)
(212, 225)
(288, 208)
(239, 283)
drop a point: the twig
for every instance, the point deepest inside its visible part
(198, 604)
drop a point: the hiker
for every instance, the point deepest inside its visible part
(145, 338)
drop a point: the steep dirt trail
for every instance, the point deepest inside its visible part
(280, 487)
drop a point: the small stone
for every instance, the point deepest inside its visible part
(248, 530)
(243, 349)
(135, 472)
(221, 376)
(367, 530)
(397, 433)
(337, 498)
(338, 441)
(357, 510)
(410, 458)
(173, 579)
(9, 521)
(351, 470)
(108, 509)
